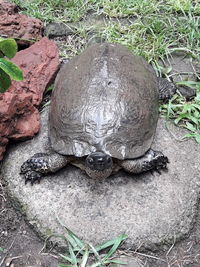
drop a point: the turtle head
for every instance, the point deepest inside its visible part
(98, 165)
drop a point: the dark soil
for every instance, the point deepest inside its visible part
(21, 246)
(181, 254)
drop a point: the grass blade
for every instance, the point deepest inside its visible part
(66, 258)
(96, 254)
(73, 256)
(110, 243)
(115, 246)
(97, 264)
(116, 262)
(74, 240)
(64, 265)
(85, 258)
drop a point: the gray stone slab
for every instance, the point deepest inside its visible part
(150, 209)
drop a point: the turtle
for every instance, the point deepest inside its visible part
(103, 115)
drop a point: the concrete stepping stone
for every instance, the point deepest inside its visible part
(151, 209)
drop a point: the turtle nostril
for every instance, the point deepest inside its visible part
(100, 160)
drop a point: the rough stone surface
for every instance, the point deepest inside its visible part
(130, 262)
(19, 117)
(19, 26)
(184, 69)
(54, 29)
(39, 63)
(150, 209)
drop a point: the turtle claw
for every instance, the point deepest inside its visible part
(41, 164)
(158, 171)
(160, 162)
(156, 161)
(29, 170)
(32, 176)
(25, 168)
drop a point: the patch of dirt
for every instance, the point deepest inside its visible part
(185, 253)
(21, 247)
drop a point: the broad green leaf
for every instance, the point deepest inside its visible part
(5, 81)
(1, 249)
(11, 69)
(8, 47)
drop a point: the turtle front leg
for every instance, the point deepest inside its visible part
(152, 160)
(166, 89)
(42, 163)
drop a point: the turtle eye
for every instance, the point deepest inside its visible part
(90, 160)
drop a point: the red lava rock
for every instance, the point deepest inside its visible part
(19, 116)
(19, 26)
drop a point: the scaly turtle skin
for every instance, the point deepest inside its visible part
(103, 115)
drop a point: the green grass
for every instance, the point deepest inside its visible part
(153, 29)
(185, 114)
(84, 254)
(74, 10)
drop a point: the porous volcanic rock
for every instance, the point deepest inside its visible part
(19, 26)
(152, 209)
(54, 29)
(19, 116)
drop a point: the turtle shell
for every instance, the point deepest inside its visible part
(105, 99)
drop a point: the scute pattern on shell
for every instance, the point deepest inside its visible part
(105, 99)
